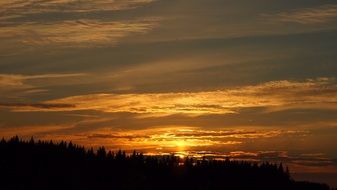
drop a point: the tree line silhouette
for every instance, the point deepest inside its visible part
(48, 165)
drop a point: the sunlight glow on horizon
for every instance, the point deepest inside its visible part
(251, 81)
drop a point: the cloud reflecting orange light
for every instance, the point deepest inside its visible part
(156, 139)
(275, 95)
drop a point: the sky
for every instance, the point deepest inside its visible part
(220, 78)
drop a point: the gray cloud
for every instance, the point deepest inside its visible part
(316, 15)
(36, 105)
(65, 24)
(17, 86)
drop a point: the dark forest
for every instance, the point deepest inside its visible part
(46, 165)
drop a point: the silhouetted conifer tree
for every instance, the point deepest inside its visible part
(48, 165)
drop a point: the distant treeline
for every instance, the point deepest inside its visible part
(60, 166)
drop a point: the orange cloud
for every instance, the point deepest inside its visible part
(275, 95)
(161, 138)
(168, 138)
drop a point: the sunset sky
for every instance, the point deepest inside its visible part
(252, 80)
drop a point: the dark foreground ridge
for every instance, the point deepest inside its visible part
(46, 165)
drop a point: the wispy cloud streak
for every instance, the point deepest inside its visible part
(18, 85)
(21, 23)
(77, 33)
(19, 80)
(42, 6)
(276, 95)
(161, 137)
(315, 15)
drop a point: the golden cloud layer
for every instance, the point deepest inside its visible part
(160, 138)
(275, 95)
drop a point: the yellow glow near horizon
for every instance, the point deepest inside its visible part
(173, 138)
(159, 139)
